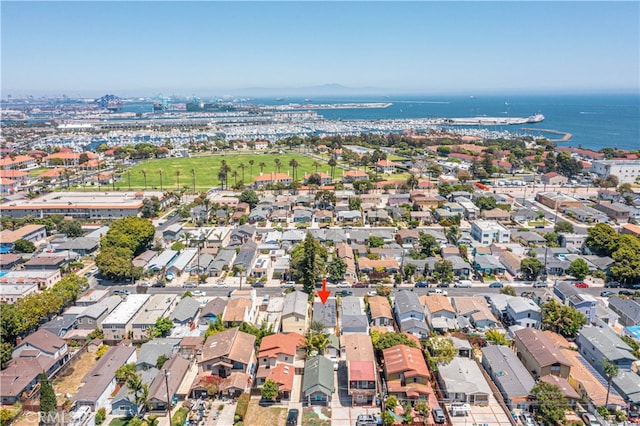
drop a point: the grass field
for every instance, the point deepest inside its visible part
(207, 168)
(265, 416)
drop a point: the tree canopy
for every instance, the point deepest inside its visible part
(562, 319)
(250, 197)
(563, 227)
(531, 268)
(308, 262)
(23, 246)
(579, 269)
(383, 341)
(552, 404)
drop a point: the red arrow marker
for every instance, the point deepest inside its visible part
(324, 294)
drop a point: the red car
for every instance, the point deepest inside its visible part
(581, 285)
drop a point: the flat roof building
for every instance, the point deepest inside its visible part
(117, 324)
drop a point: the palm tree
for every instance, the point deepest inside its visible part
(611, 371)
(412, 182)
(222, 176)
(129, 178)
(251, 163)
(67, 174)
(235, 177)
(224, 167)
(278, 164)
(177, 178)
(262, 166)
(144, 173)
(193, 179)
(160, 172)
(294, 165)
(332, 163)
(316, 164)
(239, 270)
(242, 166)
(453, 234)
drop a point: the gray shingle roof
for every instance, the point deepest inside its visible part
(186, 310)
(507, 370)
(318, 376)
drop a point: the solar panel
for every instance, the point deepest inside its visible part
(596, 374)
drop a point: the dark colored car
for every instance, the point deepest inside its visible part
(344, 293)
(422, 284)
(626, 293)
(292, 417)
(496, 284)
(443, 285)
(361, 285)
(612, 284)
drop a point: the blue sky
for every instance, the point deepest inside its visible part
(143, 48)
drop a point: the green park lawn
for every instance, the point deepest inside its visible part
(177, 172)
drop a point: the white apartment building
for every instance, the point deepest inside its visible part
(627, 171)
(117, 325)
(488, 232)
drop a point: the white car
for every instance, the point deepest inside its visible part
(372, 293)
(343, 284)
(221, 284)
(198, 293)
(94, 270)
(289, 284)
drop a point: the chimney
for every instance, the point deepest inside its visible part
(18, 340)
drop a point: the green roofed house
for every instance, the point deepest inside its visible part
(317, 383)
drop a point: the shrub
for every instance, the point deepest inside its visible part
(180, 416)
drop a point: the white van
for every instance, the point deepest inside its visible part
(436, 291)
(463, 284)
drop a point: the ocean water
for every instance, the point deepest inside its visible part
(595, 120)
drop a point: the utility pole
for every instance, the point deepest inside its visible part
(166, 381)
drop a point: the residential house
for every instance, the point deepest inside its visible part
(272, 179)
(227, 352)
(352, 316)
(439, 312)
(278, 356)
(43, 343)
(185, 311)
(572, 296)
(124, 403)
(488, 264)
(211, 311)
(221, 263)
(553, 178)
(317, 383)
(628, 311)
(488, 232)
(326, 314)
(100, 382)
(406, 373)
(354, 175)
(158, 306)
(408, 236)
(473, 312)
(344, 252)
(509, 375)
(93, 316)
(461, 380)
(171, 376)
(349, 216)
(380, 311)
(362, 378)
(118, 324)
(295, 313)
(151, 351)
(239, 310)
(84, 246)
(409, 313)
(598, 343)
(523, 312)
(539, 354)
(511, 262)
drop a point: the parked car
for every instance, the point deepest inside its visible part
(527, 419)
(612, 284)
(436, 291)
(422, 284)
(372, 293)
(443, 285)
(496, 284)
(94, 270)
(438, 415)
(189, 285)
(343, 284)
(292, 417)
(221, 284)
(289, 284)
(344, 293)
(198, 293)
(361, 285)
(121, 292)
(539, 284)
(590, 420)
(581, 285)
(463, 284)
(366, 420)
(634, 417)
(626, 293)
(606, 293)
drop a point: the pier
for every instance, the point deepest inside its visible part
(566, 136)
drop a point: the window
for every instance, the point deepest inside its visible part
(89, 321)
(286, 358)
